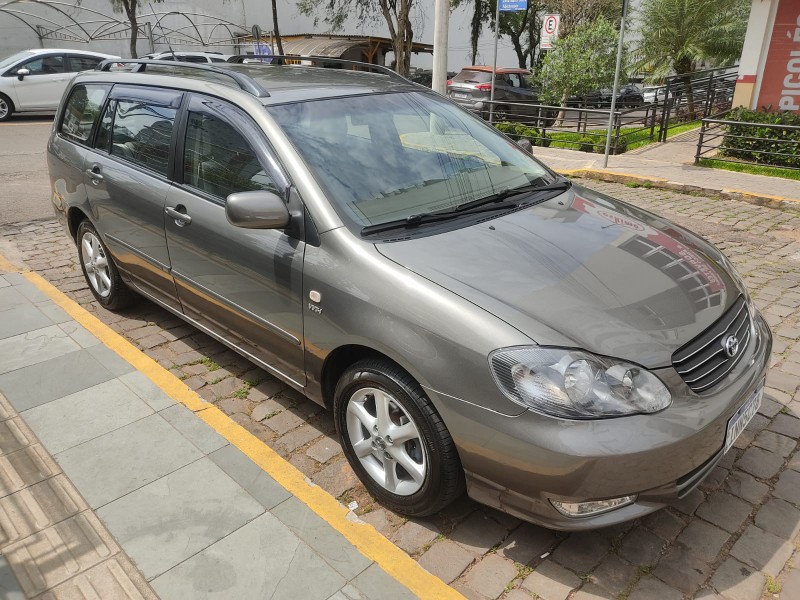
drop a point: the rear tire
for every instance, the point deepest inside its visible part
(6, 108)
(100, 271)
(395, 440)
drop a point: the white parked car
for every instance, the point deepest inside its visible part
(195, 57)
(35, 80)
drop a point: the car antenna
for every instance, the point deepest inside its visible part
(162, 32)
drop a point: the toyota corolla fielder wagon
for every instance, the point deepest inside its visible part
(473, 320)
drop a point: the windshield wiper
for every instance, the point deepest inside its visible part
(486, 204)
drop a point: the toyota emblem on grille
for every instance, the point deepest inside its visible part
(731, 345)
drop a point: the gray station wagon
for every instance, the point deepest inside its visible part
(472, 319)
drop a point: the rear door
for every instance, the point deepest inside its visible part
(243, 284)
(82, 62)
(44, 86)
(126, 176)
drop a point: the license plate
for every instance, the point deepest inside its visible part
(457, 95)
(739, 421)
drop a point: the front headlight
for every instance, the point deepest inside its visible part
(574, 384)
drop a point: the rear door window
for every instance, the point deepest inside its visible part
(142, 132)
(77, 63)
(45, 65)
(82, 111)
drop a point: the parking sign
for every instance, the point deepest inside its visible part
(550, 26)
(513, 5)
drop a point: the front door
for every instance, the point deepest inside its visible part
(243, 284)
(126, 178)
(43, 87)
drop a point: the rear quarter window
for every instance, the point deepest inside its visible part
(81, 111)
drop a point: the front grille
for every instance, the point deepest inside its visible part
(703, 362)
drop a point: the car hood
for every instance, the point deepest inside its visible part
(582, 270)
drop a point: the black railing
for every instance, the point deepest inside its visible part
(729, 141)
(574, 128)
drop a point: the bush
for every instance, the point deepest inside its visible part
(767, 141)
(544, 141)
(506, 127)
(620, 146)
(519, 131)
(586, 144)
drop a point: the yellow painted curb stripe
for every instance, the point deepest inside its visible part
(7, 266)
(364, 537)
(757, 195)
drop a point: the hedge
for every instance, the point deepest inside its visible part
(767, 140)
(518, 130)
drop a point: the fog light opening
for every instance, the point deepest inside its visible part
(588, 509)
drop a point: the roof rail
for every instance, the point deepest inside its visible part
(245, 82)
(278, 59)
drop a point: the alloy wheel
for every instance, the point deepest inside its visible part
(3, 109)
(96, 264)
(386, 441)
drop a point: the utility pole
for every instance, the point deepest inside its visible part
(494, 61)
(441, 25)
(615, 91)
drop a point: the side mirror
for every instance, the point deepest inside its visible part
(21, 73)
(256, 210)
(526, 145)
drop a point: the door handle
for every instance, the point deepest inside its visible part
(181, 218)
(95, 176)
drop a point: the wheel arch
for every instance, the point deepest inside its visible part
(10, 101)
(75, 216)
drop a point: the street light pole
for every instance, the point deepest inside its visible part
(616, 81)
(494, 61)
(441, 23)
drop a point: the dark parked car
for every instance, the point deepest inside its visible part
(472, 319)
(628, 96)
(472, 89)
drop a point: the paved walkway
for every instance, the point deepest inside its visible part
(109, 488)
(672, 161)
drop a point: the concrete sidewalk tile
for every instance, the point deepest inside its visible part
(53, 555)
(25, 467)
(34, 347)
(10, 298)
(193, 428)
(54, 312)
(79, 333)
(37, 507)
(323, 539)
(21, 319)
(119, 462)
(374, 582)
(148, 391)
(14, 435)
(6, 410)
(3, 282)
(250, 476)
(27, 289)
(165, 522)
(261, 560)
(113, 579)
(85, 415)
(9, 586)
(112, 361)
(26, 388)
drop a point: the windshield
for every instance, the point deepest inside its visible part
(7, 62)
(385, 157)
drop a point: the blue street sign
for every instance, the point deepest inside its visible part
(513, 5)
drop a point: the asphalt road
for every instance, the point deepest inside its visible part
(24, 185)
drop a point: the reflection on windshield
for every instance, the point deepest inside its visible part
(385, 157)
(14, 58)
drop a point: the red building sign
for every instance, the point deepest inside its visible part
(780, 84)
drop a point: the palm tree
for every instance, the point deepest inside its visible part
(676, 35)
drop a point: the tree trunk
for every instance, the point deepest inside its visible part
(563, 112)
(475, 28)
(520, 53)
(275, 29)
(130, 7)
(400, 32)
(687, 84)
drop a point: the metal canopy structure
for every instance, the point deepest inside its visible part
(68, 21)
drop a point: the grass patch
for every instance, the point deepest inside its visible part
(743, 167)
(242, 392)
(773, 586)
(636, 137)
(216, 380)
(210, 364)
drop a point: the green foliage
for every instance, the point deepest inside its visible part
(677, 34)
(580, 63)
(520, 131)
(766, 140)
(586, 144)
(619, 146)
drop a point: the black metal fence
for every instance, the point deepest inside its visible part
(744, 142)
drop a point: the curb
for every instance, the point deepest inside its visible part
(776, 202)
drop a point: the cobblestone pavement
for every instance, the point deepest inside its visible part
(734, 537)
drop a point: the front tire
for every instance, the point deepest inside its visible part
(395, 440)
(6, 108)
(100, 271)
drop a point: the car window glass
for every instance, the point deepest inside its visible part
(142, 132)
(103, 139)
(193, 59)
(45, 65)
(217, 159)
(512, 79)
(82, 63)
(467, 76)
(81, 112)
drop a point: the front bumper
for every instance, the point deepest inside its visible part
(518, 464)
